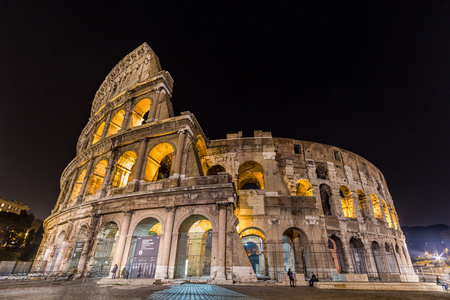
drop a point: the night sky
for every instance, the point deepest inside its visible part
(371, 77)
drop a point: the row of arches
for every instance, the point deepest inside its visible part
(158, 166)
(193, 254)
(138, 115)
(388, 259)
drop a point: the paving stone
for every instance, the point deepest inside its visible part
(197, 292)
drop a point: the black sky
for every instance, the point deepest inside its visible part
(371, 77)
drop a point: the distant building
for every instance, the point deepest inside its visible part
(12, 206)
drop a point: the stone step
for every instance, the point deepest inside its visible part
(388, 286)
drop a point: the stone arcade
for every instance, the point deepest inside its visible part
(148, 191)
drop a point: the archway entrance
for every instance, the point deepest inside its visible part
(77, 248)
(337, 254)
(294, 251)
(194, 248)
(57, 248)
(378, 258)
(144, 249)
(104, 249)
(358, 256)
(254, 243)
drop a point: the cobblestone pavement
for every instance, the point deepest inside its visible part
(77, 289)
(197, 292)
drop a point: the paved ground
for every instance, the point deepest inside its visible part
(71, 290)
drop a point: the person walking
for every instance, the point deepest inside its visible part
(114, 271)
(291, 278)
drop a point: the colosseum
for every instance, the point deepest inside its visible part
(150, 193)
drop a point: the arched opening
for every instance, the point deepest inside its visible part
(358, 256)
(347, 202)
(56, 251)
(255, 246)
(202, 151)
(252, 174)
(362, 202)
(105, 245)
(325, 196)
(116, 123)
(159, 162)
(376, 207)
(98, 133)
(214, 170)
(123, 173)
(194, 248)
(386, 214)
(77, 248)
(394, 216)
(143, 255)
(337, 254)
(77, 185)
(322, 172)
(304, 188)
(295, 254)
(378, 257)
(391, 259)
(139, 113)
(97, 177)
(400, 260)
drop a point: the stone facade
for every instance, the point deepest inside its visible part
(236, 209)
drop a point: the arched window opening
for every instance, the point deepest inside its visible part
(337, 254)
(139, 111)
(194, 248)
(295, 254)
(105, 245)
(251, 172)
(255, 246)
(394, 216)
(362, 202)
(77, 248)
(98, 133)
(325, 196)
(304, 188)
(347, 202)
(322, 172)
(97, 177)
(116, 123)
(143, 254)
(386, 214)
(358, 256)
(214, 170)
(159, 162)
(123, 172)
(391, 259)
(376, 207)
(77, 186)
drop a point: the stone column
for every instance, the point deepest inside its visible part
(87, 176)
(179, 154)
(162, 270)
(121, 243)
(87, 246)
(107, 123)
(221, 254)
(138, 168)
(108, 175)
(154, 107)
(127, 116)
(73, 180)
